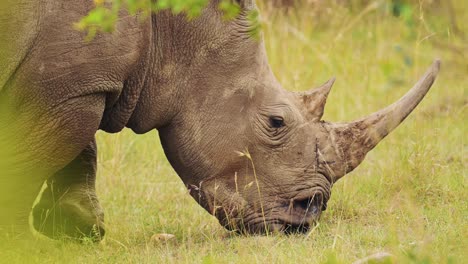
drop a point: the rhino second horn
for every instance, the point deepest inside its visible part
(316, 99)
(357, 138)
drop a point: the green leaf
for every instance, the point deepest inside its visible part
(230, 10)
(104, 17)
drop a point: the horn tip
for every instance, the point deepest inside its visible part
(436, 66)
(328, 85)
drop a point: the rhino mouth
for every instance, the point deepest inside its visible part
(297, 216)
(278, 225)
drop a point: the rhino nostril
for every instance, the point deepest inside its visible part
(303, 203)
(311, 204)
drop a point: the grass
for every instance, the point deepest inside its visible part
(408, 198)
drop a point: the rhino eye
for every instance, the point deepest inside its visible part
(276, 121)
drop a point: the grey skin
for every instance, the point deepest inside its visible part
(256, 156)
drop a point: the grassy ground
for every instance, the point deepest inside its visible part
(408, 198)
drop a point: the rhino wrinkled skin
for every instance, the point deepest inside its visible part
(256, 156)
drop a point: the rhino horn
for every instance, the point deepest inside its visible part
(355, 139)
(316, 99)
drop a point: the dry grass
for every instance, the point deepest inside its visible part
(408, 198)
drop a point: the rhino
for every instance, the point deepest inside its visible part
(256, 156)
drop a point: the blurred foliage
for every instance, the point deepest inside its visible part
(105, 14)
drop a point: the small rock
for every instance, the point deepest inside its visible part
(161, 238)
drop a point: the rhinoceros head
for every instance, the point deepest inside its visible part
(258, 157)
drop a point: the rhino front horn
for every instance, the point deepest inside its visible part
(356, 138)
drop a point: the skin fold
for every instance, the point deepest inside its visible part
(256, 156)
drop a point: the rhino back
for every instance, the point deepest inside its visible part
(18, 29)
(55, 63)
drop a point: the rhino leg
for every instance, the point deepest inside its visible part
(39, 135)
(68, 207)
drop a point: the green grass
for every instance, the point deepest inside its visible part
(408, 198)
